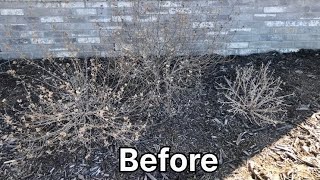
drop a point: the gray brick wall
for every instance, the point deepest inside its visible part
(34, 29)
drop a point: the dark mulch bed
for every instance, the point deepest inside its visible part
(201, 126)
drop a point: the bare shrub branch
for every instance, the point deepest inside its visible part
(254, 95)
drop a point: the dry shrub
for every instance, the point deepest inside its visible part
(172, 53)
(170, 78)
(254, 94)
(74, 103)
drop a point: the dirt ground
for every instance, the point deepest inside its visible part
(290, 150)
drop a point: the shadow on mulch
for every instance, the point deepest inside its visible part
(204, 125)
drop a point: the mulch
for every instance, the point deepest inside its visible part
(290, 150)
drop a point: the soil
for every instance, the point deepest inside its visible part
(206, 126)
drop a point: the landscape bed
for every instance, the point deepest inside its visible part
(204, 125)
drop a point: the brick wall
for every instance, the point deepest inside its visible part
(35, 29)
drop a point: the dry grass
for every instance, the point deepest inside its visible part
(254, 94)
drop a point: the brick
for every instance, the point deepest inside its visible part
(199, 3)
(271, 37)
(72, 4)
(289, 50)
(268, 17)
(59, 5)
(242, 38)
(65, 40)
(148, 19)
(55, 34)
(303, 23)
(122, 4)
(85, 33)
(313, 18)
(307, 44)
(271, 44)
(39, 12)
(99, 47)
(238, 45)
(105, 12)
(282, 44)
(242, 17)
(274, 9)
(20, 47)
(260, 45)
(275, 23)
(11, 12)
(89, 40)
(214, 33)
(113, 27)
(58, 49)
(110, 53)
(204, 24)
(298, 23)
(19, 27)
(302, 37)
(98, 4)
(246, 51)
(122, 18)
(83, 12)
(19, 41)
(246, 9)
(65, 54)
(31, 34)
(42, 41)
(162, 11)
(76, 26)
(12, 4)
(265, 15)
(240, 30)
(180, 11)
(9, 55)
(49, 19)
(210, 10)
(170, 4)
(245, 2)
(30, 19)
(76, 19)
(99, 19)
(47, 5)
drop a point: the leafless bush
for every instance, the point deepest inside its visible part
(172, 52)
(74, 103)
(254, 95)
